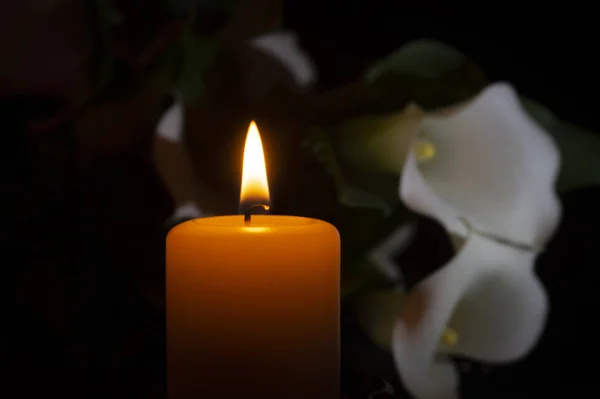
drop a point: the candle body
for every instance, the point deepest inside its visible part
(253, 309)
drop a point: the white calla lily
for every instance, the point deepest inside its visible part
(283, 46)
(490, 301)
(492, 165)
(486, 172)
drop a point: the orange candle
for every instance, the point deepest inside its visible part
(253, 302)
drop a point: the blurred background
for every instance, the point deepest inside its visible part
(89, 198)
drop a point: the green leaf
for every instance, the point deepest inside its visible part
(579, 148)
(197, 56)
(426, 59)
(379, 143)
(104, 19)
(360, 275)
(369, 210)
(319, 142)
(362, 233)
(356, 277)
(426, 72)
(540, 113)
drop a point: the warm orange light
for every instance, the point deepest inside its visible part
(255, 187)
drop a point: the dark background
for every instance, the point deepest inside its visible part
(546, 50)
(108, 342)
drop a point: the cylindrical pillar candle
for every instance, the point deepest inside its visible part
(253, 305)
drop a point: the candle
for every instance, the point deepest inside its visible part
(253, 300)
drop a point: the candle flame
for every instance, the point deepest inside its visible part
(255, 186)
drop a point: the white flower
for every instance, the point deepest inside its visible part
(488, 177)
(487, 298)
(283, 46)
(493, 166)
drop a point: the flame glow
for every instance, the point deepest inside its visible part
(255, 186)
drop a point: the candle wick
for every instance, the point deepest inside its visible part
(248, 213)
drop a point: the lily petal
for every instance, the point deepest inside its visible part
(170, 126)
(494, 166)
(283, 46)
(189, 210)
(489, 296)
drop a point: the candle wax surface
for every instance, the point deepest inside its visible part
(253, 308)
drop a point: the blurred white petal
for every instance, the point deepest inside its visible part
(188, 210)
(393, 244)
(489, 296)
(170, 126)
(283, 46)
(494, 166)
